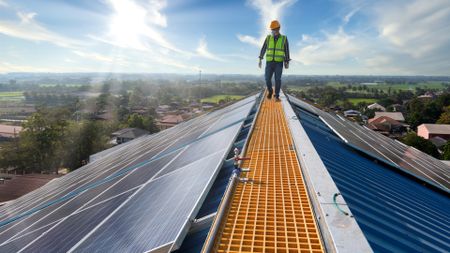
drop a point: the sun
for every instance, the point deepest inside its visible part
(128, 24)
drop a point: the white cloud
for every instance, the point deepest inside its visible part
(7, 67)
(335, 47)
(94, 56)
(417, 28)
(3, 3)
(29, 29)
(268, 10)
(347, 17)
(399, 37)
(202, 50)
(250, 40)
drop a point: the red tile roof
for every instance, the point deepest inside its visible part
(20, 185)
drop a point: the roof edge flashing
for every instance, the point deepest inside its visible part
(340, 232)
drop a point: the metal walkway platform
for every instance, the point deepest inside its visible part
(274, 213)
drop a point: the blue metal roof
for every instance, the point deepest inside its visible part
(395, 212)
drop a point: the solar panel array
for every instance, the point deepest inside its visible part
(406, 158)
(136, 199)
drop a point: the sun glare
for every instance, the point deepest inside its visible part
(128, 24)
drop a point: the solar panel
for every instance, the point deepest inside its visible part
(150, 190)
(153, 218)
(408, 159)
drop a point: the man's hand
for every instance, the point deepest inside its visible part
(260, 63)
(286, 64)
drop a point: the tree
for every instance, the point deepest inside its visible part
(136, 120)
(42, 136)
(142, 122)
(445, 116)
(102, 102)
(446, 150)
(50, 141)
(421, 144)
(423, 112)
(84, 139)
(137, 98)
(347, 105)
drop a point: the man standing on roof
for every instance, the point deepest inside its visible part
(276, 48)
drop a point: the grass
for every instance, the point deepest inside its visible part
(11, 96)
(215, 99)
(355, 101)
(54, 85)
(382, 86)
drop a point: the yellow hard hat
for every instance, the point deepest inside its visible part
(274, 24)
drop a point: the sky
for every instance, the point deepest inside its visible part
(326, 37)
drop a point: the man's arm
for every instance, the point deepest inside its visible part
(287, 58)
(263, 50)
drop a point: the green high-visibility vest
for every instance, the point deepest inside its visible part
(275, 52)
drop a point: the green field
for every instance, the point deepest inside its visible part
(217, 98)
(11, 96)
(382, 86)
(54, 85)
(355, 101)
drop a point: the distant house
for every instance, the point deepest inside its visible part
(352, 113)
(427, 96)
(376, 106)
(207, 106)
(396, 107)
(398, 116)
(104, 116)
(388, 126)
(140, 110)
(128, 134)
(429, 131)
(163, 109)
(15, 186)
(169, 121)
(174, 105)
(195, 104)
(8, 132)
(335, 108)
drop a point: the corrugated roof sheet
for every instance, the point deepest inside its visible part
(407, 159)
(394, 210)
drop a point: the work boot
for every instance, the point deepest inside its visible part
(269, 95)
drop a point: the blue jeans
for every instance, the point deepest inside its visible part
(271, 68)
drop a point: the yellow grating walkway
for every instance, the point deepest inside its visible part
(273, 214)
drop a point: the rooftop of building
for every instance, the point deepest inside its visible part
(172, 191)
(436, 128)
(9, 131)
(393, 115)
